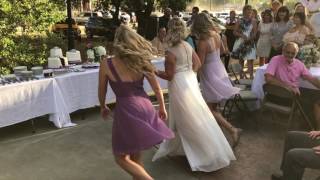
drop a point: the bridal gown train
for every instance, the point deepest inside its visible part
(198, 135)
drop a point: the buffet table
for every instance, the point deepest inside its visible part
(80, 89)
(259, 80)
(58, 96)
(22, 101)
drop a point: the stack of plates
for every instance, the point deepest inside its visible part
(17, 70)
(90, 65)
(37, 70)
(9, 77)
(26, 74)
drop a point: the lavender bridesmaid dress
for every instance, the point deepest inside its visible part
(136, 125)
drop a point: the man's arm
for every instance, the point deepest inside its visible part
(270, 79)
(313, 80)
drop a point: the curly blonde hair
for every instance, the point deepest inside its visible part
(133, 50)
(176, 31)
(202, 25)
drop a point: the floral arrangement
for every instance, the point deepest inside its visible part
(100, 51)
(95, 54)
(309, 54)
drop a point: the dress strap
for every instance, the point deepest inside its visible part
(113, 70)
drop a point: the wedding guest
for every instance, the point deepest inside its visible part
(244, 48)
(275, 6)
(137, 125)
(198, 136)
(301, 150)
(313, 6)
(285, 70)
(299, 8)
(195, 12)
(214, 80)
(255, 15)
(231, 38)
(264, 42)
(159, 41)
(299, 31)
(163, 20)
(278, 29)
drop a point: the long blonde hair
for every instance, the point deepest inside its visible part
(202, 26)
(133, 50)
(176, 31)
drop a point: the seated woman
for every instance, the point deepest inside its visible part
(299, 7)
(159, 41)
(299, 32)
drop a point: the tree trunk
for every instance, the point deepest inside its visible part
(116, 4)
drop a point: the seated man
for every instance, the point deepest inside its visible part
(285, 70)
(301, 150)
(159, 41)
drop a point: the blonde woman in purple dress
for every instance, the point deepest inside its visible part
(136, 126)
(214, 80)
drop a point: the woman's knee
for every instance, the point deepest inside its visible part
(120, 159)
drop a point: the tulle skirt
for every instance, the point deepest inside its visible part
(198, 136)
(214, 81)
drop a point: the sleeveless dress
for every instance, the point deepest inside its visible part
(246, 27)
(264, 42)
(198, 136)
(136, 124)
(214, 79)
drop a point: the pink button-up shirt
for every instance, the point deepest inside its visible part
(288, 73)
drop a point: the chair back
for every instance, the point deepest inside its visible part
(278, 91)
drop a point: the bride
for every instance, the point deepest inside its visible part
(198, 136)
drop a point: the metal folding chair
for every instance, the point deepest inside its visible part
(290, 109)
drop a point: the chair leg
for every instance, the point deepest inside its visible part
(291, 116)
(243, 103)
(225, 108)
(233, 101)
(33, 126)
(305, 117)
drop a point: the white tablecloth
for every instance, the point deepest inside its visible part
(259, 80)
(56, 96)
(80, 89)
(22, 101)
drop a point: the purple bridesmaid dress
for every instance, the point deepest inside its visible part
(136, 125)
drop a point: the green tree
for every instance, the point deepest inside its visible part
(175, 5)
(24, 31)
(143, 9)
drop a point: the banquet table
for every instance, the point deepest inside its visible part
(80, 89)
(259, 80)
(22, 101)
(58, 96)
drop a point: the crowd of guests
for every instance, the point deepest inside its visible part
(198, 82)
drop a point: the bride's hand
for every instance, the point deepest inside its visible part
(163, 114)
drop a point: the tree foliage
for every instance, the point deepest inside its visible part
(24, 32)
(175, 5)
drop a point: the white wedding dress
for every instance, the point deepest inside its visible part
(198, 135)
